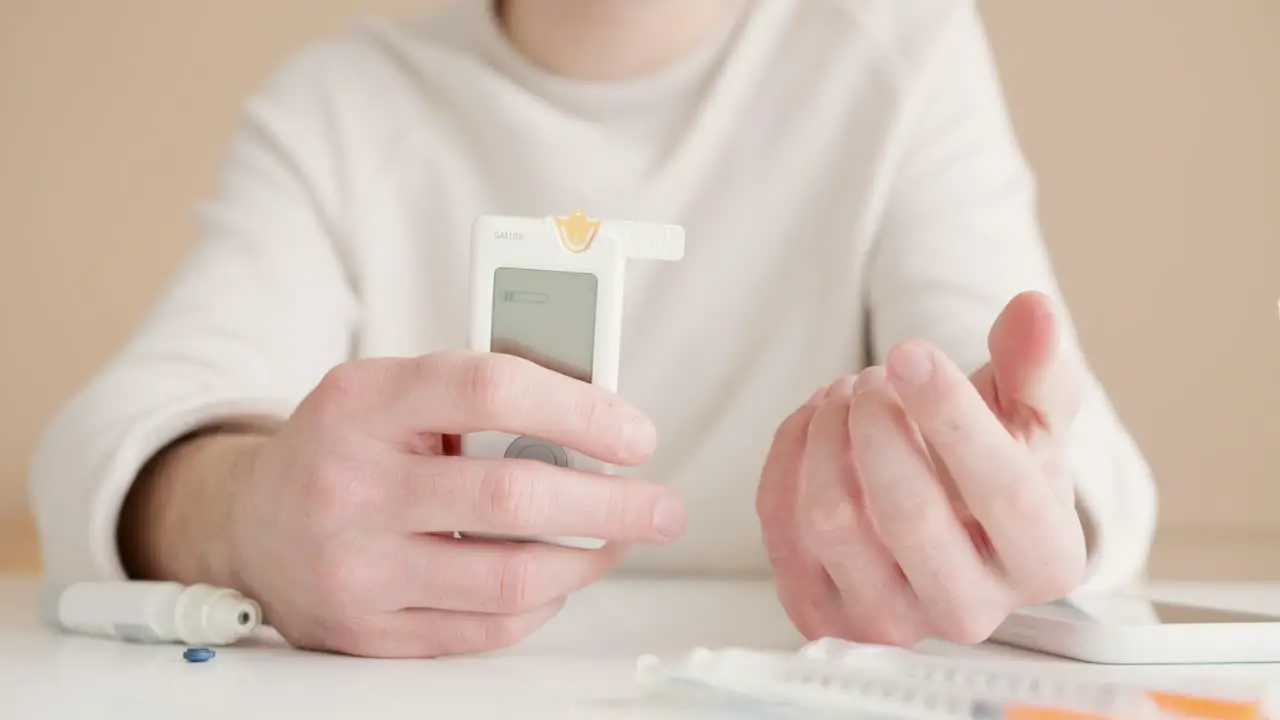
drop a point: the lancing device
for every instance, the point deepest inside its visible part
(549, 290)
(151, 612)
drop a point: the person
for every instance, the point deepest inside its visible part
(861, 382)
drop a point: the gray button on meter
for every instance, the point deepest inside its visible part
(527, 448)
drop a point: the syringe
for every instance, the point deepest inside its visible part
(1021, 683)
(804, 681)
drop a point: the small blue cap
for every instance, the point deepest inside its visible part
(198, 655)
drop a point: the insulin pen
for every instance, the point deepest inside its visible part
(151, 612)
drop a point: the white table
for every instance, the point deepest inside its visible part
(580, 666)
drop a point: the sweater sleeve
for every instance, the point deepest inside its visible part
(260, 308)
(959, 239)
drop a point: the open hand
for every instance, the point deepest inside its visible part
(911, 501)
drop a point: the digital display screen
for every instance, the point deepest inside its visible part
(547, 317)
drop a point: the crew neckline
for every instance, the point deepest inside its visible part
(679, 79)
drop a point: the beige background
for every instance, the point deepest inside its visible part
(1154, 124)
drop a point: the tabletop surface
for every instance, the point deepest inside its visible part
(581, 665)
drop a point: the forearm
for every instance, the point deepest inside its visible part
(258, 311)
(174, 521)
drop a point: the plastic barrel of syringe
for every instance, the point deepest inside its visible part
(800, 681)
(1003, 680)
(1017, 682)
(881, 689)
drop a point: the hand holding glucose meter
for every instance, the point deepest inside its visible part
(550, 290)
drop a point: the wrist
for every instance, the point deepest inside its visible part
(174, 524)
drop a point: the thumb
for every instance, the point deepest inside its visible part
(1035, 380)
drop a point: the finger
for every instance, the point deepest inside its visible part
(465, 392)
(507, 346)
(803, 586)
(417, 633)
(1037, 384)
(527, 497)
(877, 601)
(959, 593)
(998, 479)
(477, 576)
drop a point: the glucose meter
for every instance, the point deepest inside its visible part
(550, 290)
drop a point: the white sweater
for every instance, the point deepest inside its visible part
(845, 171)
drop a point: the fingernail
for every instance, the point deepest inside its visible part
(868, 379)
(911, 364)
(641, 436)
(843, 387)
(828, 519)
(668, 518)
